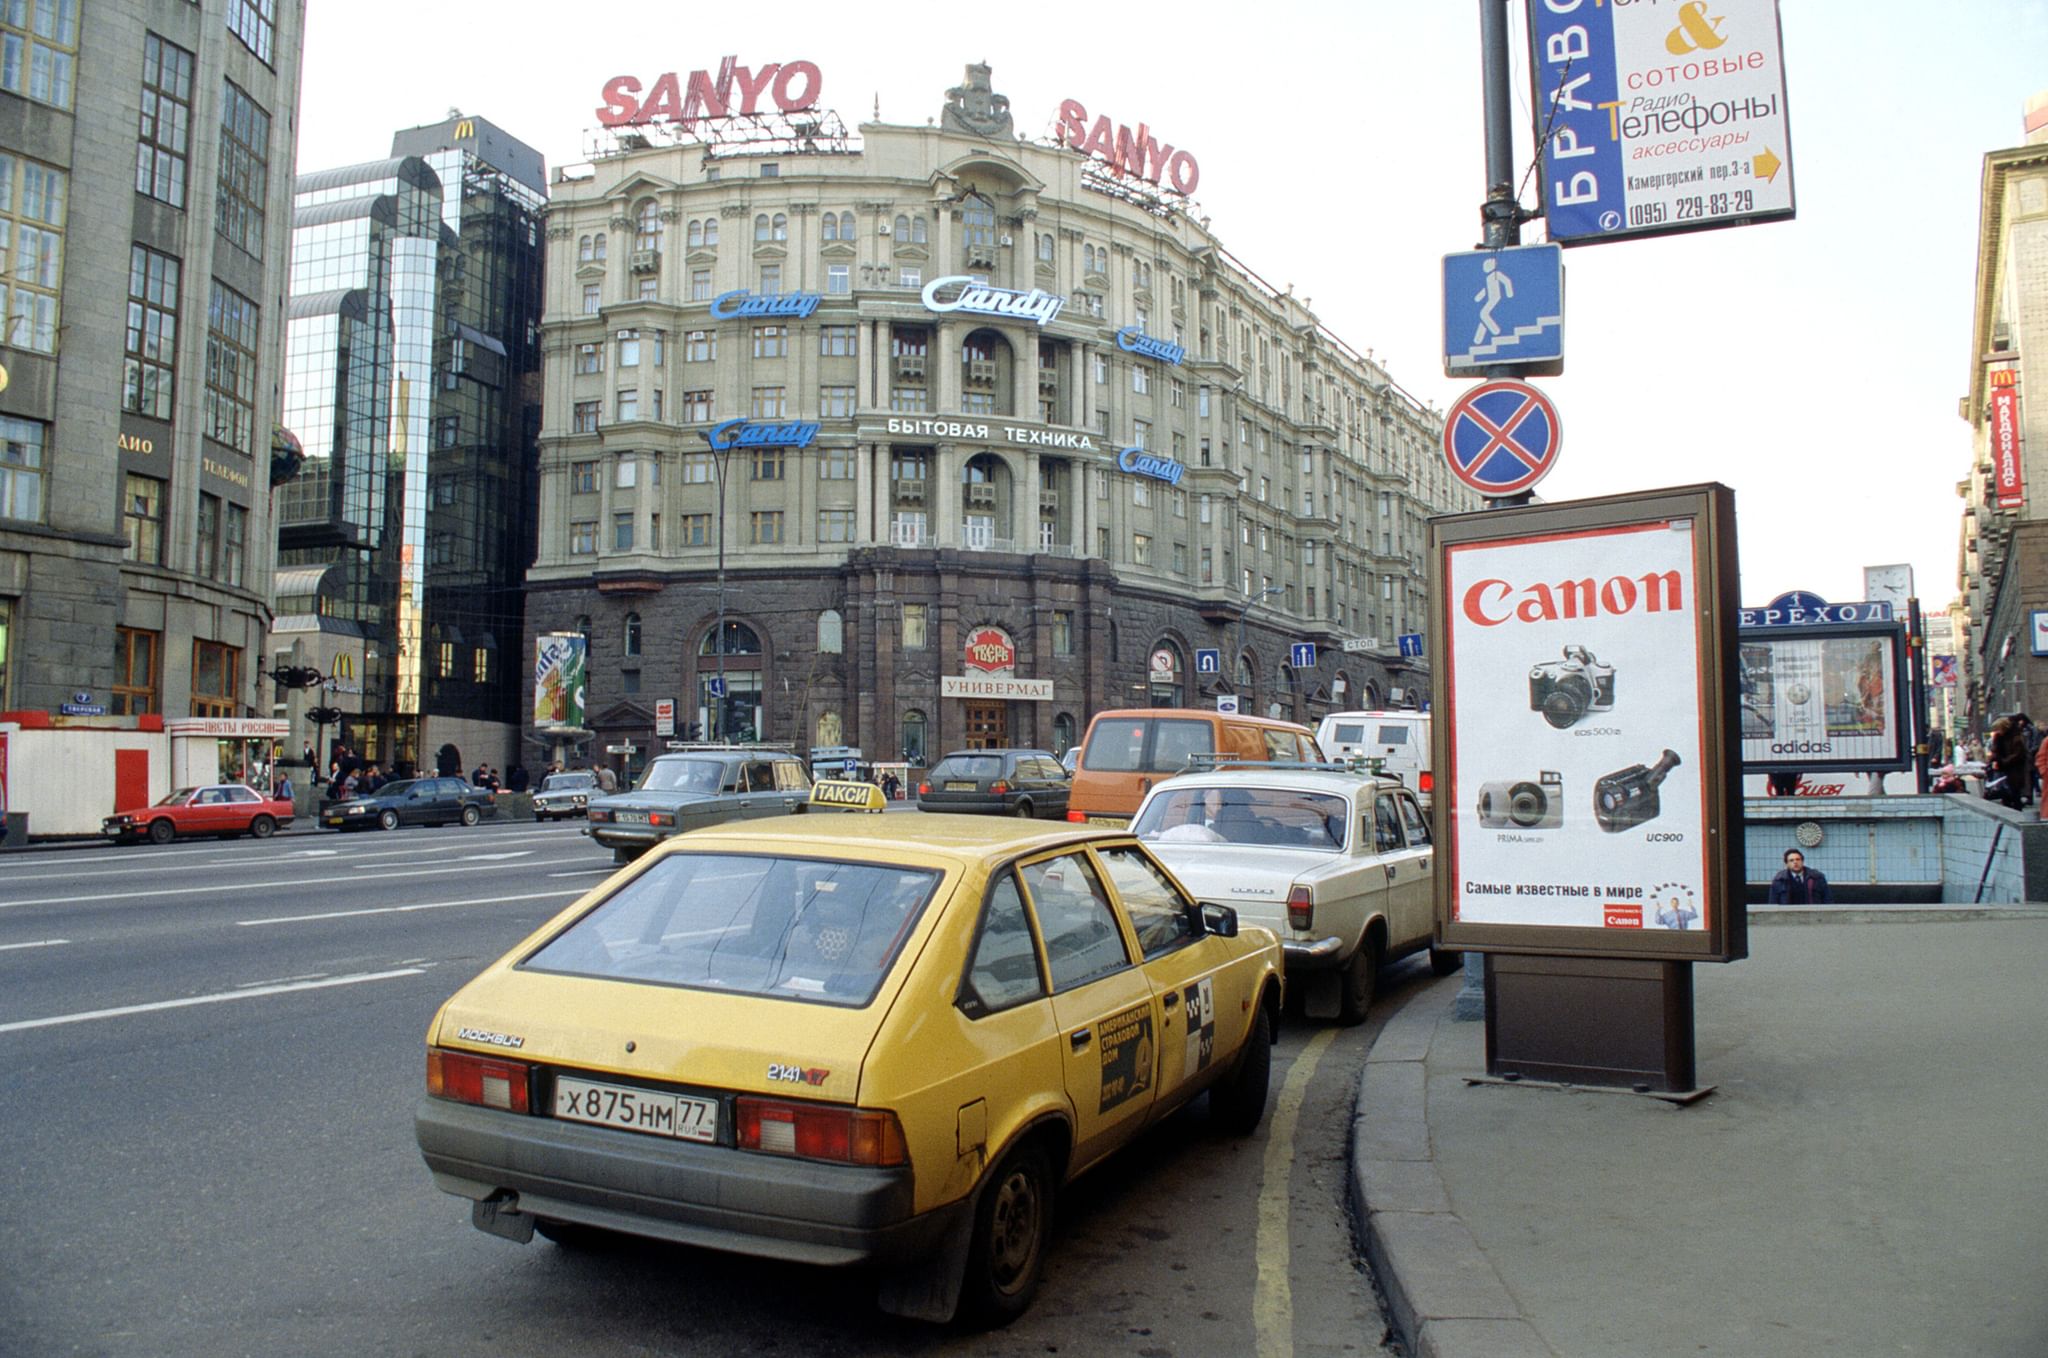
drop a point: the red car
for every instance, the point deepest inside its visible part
(220, 809)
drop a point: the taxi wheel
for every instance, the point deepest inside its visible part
(1358, 981)
(470, 815)
(387, 819)
(263, 827)
(1239, 1101)
(162, 832)
(1012, 1223)
(1443, 962)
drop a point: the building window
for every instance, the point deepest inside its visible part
(444, 659)
(1141, 433)
(32, 207)
(696, 407)
(585, 417)
(41, 47)
(771, 341)
(839, 279)
(1045, 249)
(647, 225)
(913, 627)
(700, 346)
(835, 401)
(835, 525)
(770, 403)
(165, 132)
(1141, 492)
(255, 23)
(1208, 566)
(838, 341)
(629, 348)
(831, 633)
(697, 469)
(622, 531)
(632, 640)
(1141, 549)
(771, 279)
(480, 665)
(231, 330)
(1063, 632)
(1141, 379)
(582, 478)
(700, 285)
(142, 510)
(626, 472)
(696, 530)
(216, 679)
(583, 537)
(244, 169)
(909, 399)
(628, 406)
(913, 738)
(765, 527)
(767, 464)
(978, 403)
(135, 672)
(835, 464)
(206, 553)
(592, 298)
(589, 358)
(21, 468)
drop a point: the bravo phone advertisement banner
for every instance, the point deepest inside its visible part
(1575, 686)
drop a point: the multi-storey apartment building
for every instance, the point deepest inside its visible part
(145, 183)
(414, 360)
(938, 437)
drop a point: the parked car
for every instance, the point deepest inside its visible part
(1399, 741)
(412, 801)
(1126, 752)
(216, 809)
(847, 1040)
(564, 794)
(996, 783)
(695, 787)
(1336, 863)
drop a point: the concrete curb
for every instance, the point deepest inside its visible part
(1447, 1299)
(1890, 914)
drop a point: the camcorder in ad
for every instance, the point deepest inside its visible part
(1627, 797)
(1522, 805)
(1566, 690)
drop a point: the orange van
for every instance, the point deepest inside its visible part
(1125, 752)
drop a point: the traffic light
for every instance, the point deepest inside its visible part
(324, 716)
(297, 676)
(690, 731)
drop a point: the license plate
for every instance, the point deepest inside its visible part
(682, 1116)
(959, 787)
(1118, 821)
(631, 818)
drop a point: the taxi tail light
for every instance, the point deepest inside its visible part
(924, 789)
(1078, 817)
(1427, 781)
(1301, 908)
(851, 1136)
(481, 1080)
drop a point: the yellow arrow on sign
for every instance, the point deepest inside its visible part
(1766, 165)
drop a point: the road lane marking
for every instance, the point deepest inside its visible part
(403, 909)
(585, 872)
(222, 997)
(44, 943)
(1273, 1298)
(255, 864)
(297, 885)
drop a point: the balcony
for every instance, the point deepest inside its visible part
(910, 365)
(646, 261)
(981, 497)
(910, 492)
(1048, 380)
(981, 372)
(981, 256)
(1048, 502)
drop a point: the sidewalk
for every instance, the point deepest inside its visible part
(1870, 1175)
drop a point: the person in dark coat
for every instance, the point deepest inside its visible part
(2007, 758)
(1799, 884)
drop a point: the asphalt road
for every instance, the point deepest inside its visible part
(209, 1055)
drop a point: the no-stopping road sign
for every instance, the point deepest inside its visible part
(1502, 437)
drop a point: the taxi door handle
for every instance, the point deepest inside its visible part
(1169, 999)
(1390, 871)
(1080, 1038)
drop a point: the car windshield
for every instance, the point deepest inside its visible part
(790, 928)
(683, 775)
(179, 798)
(566, 782)
(1268, 817)
(969, 766)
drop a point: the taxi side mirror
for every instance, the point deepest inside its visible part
(1220, 920)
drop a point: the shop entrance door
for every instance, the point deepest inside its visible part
(988, 725)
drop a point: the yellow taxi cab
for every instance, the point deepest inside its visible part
(847, 1040)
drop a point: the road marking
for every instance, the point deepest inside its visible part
(153, 868)
(216, 888)
(585, 872)
(1273, 1299)
(45, 943)
(403, 909)
(223, 997)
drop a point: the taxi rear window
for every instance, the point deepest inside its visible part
(789, 928)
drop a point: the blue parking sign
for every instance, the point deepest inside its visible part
(1303, 655)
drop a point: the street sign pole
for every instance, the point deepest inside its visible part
(1500, 214)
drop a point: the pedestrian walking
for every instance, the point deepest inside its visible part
(1798, 884)
(2030, 736)
(2005, 778)
(607, 781)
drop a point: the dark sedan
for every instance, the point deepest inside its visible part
(996, 783)
(412, 801)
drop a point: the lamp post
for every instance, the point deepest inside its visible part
(1238, 659)
(719, 455)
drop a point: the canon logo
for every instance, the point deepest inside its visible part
(1493, 602)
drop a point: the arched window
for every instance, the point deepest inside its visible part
(647, 234)
(696, 236)
(831, 731)
(1244, 673)
(913, 738)
(583, 255)
(831, 637)
(740, 639)
(917, 236)
(1045, 248)
(761, 227)
(902, 229)
(1164, 670)
(1063, 733)
(978, 220)
(846, 226)
(831, 227)
(632, 644)
(710, 232)
(598, 247)
(781, 226)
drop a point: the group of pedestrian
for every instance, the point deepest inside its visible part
(2014, 762)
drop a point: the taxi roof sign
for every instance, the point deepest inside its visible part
(842, 795)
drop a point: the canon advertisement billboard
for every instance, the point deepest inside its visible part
(1587, 790)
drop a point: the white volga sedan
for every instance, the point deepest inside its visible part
(1336, 863)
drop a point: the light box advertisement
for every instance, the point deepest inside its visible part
(558, 680)
(1827, 697)
(1584, 780)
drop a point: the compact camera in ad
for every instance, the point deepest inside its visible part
(1521, 804)
(1627, 797)
(1566, 690)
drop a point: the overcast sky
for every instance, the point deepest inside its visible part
(1813, 365)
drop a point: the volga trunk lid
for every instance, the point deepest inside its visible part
(749, 1044)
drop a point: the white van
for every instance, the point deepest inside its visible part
(1399, 739)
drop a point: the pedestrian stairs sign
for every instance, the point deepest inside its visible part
(1504, 311)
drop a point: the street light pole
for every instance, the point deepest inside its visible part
(1237, 661)
(717, 732)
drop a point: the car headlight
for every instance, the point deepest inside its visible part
(354, 810)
